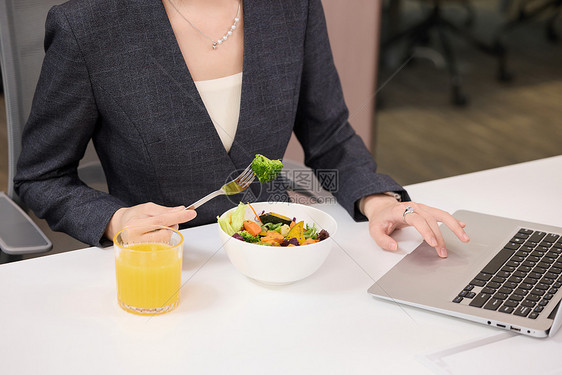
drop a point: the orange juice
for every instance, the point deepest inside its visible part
(148, 277)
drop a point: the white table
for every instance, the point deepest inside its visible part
(59, 313)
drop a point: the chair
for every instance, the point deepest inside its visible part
(436, 20)
(21, 51)
(529, 10)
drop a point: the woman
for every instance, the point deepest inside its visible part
(176, 95)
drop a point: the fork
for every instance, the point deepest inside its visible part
(238, 185)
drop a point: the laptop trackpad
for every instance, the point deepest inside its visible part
(422, 276)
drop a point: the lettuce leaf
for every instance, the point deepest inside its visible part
(225, 225)
(237, 220)
(233, 222)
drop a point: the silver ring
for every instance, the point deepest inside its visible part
(408, 210)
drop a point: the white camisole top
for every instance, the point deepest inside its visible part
(221, 97)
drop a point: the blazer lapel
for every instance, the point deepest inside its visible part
(268, 99)
(167, 55)
(166, 52)
(241, 153)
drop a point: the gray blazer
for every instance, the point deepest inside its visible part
(113, 72)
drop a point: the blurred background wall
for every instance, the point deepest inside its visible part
(353, 28)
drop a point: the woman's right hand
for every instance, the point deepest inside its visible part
(148, 214)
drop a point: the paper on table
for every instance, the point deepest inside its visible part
(492, 355)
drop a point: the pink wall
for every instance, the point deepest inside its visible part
(353, 27)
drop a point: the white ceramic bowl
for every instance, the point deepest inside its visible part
(277, 265)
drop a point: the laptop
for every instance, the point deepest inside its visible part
(508, 276)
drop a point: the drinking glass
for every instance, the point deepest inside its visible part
(148, 262)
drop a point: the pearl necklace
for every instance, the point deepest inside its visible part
(220, 41)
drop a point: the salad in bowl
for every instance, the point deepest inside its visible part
(270, 228)
(276, 242)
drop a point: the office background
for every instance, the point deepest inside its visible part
(404, 111)
(419, 135)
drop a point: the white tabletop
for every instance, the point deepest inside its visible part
(59, 313)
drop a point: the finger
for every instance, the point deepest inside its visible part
(190, 214)
(381, 237)
(433, 224)
(422, 226)
(453, 224)
(155, 236)
(173, 217)
(153, 209)
(150, 208)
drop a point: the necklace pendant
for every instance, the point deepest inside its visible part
(216, 44)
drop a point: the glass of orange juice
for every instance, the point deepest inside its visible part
(148, 261)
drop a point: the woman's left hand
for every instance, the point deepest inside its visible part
(385, 215)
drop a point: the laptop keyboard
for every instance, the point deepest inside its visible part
(522, 278)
